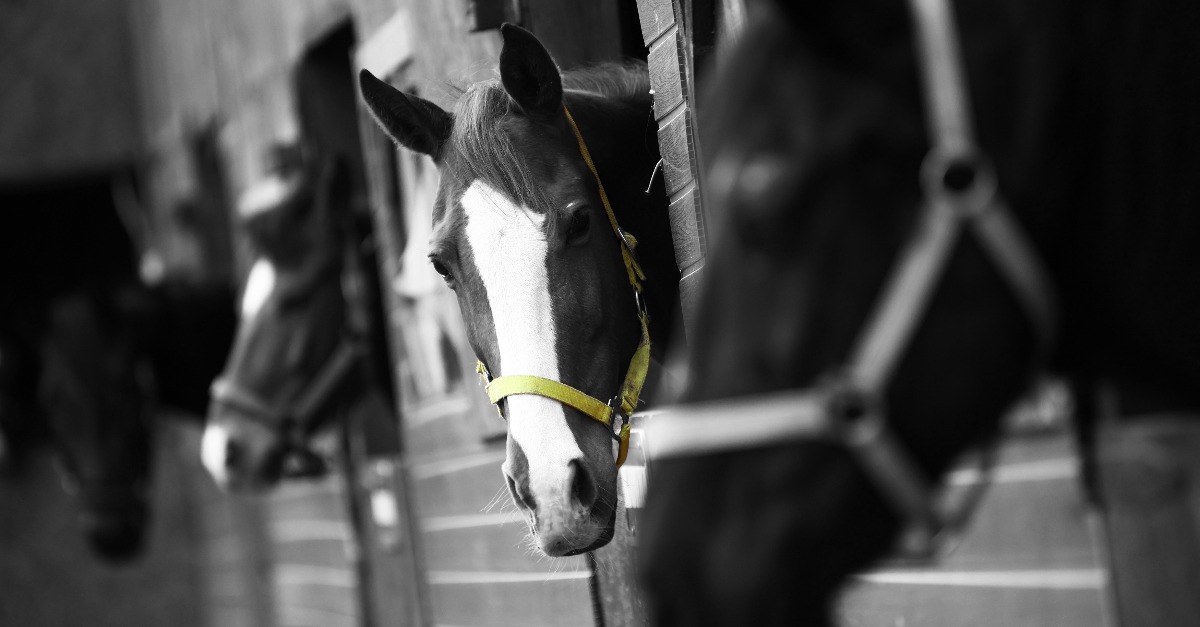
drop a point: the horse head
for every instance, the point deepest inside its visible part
(823, 198)
(97, 391)
(290, 356)
(522, 235)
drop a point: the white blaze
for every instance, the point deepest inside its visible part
(259, 286)
(212, 452)
(508, 243)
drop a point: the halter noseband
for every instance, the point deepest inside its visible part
(298, 417)
(625, 401)
(849, 407)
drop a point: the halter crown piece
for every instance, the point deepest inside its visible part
(626, 400)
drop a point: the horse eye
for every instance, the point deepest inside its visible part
(441, 269)
(577, 230)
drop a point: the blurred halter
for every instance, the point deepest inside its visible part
(849, 406)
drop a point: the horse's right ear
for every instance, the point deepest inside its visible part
(413, 122)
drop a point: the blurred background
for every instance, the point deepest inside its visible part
(131, 133)
(131, 130)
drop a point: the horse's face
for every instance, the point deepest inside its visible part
(813, 181)
(521, 236)
(96, 387)
(291, 320)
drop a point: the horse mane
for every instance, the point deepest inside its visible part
(486, 152)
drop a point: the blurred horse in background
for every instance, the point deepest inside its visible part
(300, 356)
(864, 276)
(90, 352)
(558, 307)
(110, 360)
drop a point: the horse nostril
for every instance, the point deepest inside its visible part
(583, 487)
(520, 493)
(233, 453)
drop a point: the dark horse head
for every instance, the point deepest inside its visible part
(110, 358)
(89, 352)
(522, 236)
(292, 359)
(819, 183)
(96, 389)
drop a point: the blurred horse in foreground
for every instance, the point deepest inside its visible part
(904, 234)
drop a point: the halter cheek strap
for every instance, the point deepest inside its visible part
(626, 400)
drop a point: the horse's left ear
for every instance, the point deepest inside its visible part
(529, 74)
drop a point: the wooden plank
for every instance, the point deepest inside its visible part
(615, 570)
(685, 228)
(473, 490)
(1148, 471)
(336, 599)
(503, 547)
(1030, 557)
(549, 603)
(665, 64)
(675, 144)
(656, 17)
(689, 293)
(868, 605)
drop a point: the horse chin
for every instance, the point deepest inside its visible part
(117, 531)
(588, 534)
(606, 536)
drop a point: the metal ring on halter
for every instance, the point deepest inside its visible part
(856, 413)
(971, 199)
(614, 404)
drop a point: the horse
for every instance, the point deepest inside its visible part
(300, 353)
(529, 165)
(808, 435)
(109, 359)
(90, 351)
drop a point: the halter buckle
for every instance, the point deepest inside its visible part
(855, 413)
(614, 405)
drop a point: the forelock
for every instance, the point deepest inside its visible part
(484, 150)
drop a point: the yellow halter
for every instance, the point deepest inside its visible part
(626, 400)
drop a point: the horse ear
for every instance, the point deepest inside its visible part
(413, 122)
(529, 74)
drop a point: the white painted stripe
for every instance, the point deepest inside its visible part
(633, 485)
(1025, 472)
(432, 412)
(292, 616)
(328, 486)
(1081, 579)
(452, 577)
(509, 246)
(433, 524)
(429, 470)
(292, 530)
(305, 575)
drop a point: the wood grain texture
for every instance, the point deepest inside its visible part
(674, 143)
(537, 604)
(685, 229)
(656, 17)
(664, 65)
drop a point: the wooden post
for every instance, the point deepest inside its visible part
(1149, 472)
(665, 34)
